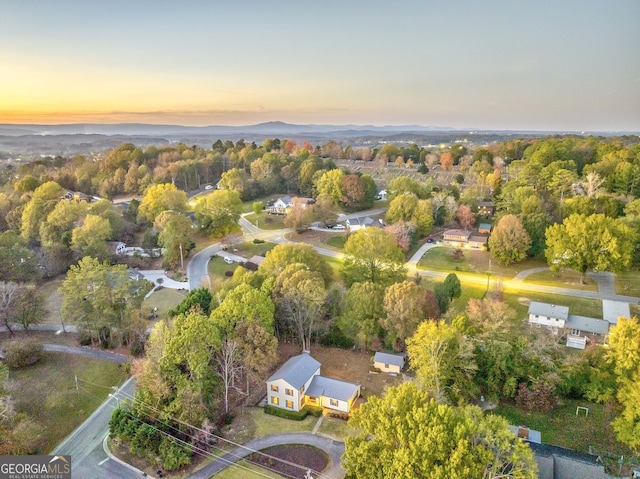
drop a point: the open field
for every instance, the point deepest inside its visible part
(164, 299)
(473, 261)
(565, 279)
(46, 392)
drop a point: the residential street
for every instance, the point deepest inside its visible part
(88, 458)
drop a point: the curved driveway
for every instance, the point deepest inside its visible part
(334, 449)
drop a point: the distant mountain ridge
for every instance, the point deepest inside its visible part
(271, 127)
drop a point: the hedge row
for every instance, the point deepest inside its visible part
(294, 415)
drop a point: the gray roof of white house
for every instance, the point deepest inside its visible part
(586, 324)
(612, 310)
(360, 220)
(297, 370)
(331, 388)
(387, 358)
(549, 310)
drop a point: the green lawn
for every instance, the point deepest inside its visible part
(519, 300)
(164, 299)
(337, 242)
(473, 261)
(266, 221)
(52, 300)
(252, 422)
(247, 206)
(563, 428)
(628, 283)
(250, 249)
(562, 279)
(47, 392)
(217, 267)
(336, 428)
(244, 469)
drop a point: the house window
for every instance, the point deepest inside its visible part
(576, 332)
(333, 402)
(274, 388)
(386, 366)
(274, 400)
(302, 389)
(288, 392)
(289, 404)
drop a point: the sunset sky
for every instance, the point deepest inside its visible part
(540, 65)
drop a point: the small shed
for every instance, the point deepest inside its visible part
(389, 363)
(484, 228)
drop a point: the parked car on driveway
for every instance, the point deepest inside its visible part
(339, 227)
(208, 187)
(228, 260)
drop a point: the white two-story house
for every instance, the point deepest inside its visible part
(298, 383)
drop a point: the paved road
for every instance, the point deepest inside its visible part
(334, 450)
(197, 267)
(517, 284)
(88, 458)
(92, 353)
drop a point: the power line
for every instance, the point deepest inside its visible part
(131, 397)
(202, 452)
(241, 446)
(196, 449)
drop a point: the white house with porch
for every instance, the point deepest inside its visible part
(298, 382)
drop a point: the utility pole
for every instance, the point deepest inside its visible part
(77, 388)
(181, 258)
(488, 275)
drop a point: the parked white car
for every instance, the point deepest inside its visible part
(340, 227)
(208, 187)
(228, 260)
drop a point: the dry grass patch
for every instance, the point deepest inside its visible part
(47, 392)
(52, 300)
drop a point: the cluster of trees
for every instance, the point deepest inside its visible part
(406, 434)
(20, 305)
(105, 303)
